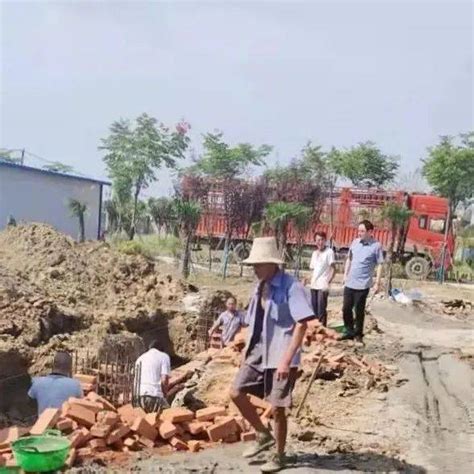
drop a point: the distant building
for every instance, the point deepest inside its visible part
(36, 195)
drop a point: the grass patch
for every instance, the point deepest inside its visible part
(155, 245)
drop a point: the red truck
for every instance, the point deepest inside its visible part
(344, 208)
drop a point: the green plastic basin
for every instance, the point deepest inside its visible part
(339, 328)
(43, 453)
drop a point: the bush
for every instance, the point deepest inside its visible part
(133, 247)
(156, 245)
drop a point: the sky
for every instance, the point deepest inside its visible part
(337, 73)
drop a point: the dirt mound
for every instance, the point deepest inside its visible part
(56, 293)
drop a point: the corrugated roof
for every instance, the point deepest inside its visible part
(9, 164)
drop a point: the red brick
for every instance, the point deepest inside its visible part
(82, 415)
(194, 446)
(83, 378)
(84, 453)
(178, 444)
(129, 413)
(243, 424)
(106, 405)
(77, 439)
(108, 418)
(65, 425)
(178, 378)
(248, 436)
(258, 402)
(8, 435)
(152, 418)
(100, 431)
(167, 429)
(71, 458)
(221, 430)
(64, 408)
(194, 427)
(83, 402)
(268, 413)
(232, 438)
(118, 433)
(146, 442)
(209, 413)
(97, 444)
(131, 444)
(177, 415)
(143, 428)
(46, 420)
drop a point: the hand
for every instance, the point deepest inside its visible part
(283, 370)
(210, 333)
(377, 287)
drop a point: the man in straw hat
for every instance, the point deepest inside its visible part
(277, 318)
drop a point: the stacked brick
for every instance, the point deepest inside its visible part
(96, 427)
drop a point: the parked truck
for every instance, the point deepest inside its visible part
(421, 245)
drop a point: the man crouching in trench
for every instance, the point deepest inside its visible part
(277, 317)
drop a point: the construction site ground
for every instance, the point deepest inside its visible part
(416, 415)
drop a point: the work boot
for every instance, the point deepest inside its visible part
(359, 339)
(277, 462)
(263, 442)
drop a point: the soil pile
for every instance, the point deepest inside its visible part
(57, 293)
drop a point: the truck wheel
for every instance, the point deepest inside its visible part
(242, 251)
(417, 268)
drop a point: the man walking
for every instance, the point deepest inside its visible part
(231, 321)
(54, 389)
(152, 371)
(324, 269)
(277, 317)
(365, 254)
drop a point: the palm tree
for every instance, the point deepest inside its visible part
(79, 209)
(397, 215)
(187, 214)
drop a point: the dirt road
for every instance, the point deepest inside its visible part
(425, 424)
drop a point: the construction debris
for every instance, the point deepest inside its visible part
(95, 427)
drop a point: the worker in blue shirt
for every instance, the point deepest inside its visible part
(54, 389)
(365, 256)
(277, 318)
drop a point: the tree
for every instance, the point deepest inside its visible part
(58, 167)
(301, 222)
(397, 216)
(365, 165)
(187, 214)
(226, 164)
(162, 211)
(135, 152)
(449, 169)
(78, 210)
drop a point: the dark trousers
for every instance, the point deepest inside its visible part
(354, 301)
(319, 301)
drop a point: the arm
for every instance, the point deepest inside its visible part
(332, 265)
(296, 341)
(215, 325)
(378, 278)
(347, 266)
(165, 375)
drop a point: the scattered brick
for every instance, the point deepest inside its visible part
(221, 430)
(178, 378)
(146, 442)
(143, 428)
(82, 415)
(208, 414)
(97, 444)
(131, 444)
(166, 429)
(100, 431)
(177, 415)
(71, 458)
(46, 420)
(258, 402)
(118, 434)
(77, 439)
(84, 453)
(152, 418)
(194, 446)
(83, 402)
(106, 405)
(178, 444)
(248, 436)
(65, 425)
(194, 427)
(108, 418)
(232, 438)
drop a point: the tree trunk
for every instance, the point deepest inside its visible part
(209, 241)
(82, 228)
(445, 242)
(186, 256)
(226, 256)
(133, 226)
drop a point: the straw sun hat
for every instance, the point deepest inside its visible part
(264, 250)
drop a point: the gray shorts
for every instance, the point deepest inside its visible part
(265, 385)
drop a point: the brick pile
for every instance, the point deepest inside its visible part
(94, 427)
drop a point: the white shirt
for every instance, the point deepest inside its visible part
(321, 262)
(154, 364)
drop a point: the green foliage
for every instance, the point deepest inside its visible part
(187, 214)
(396, 214)
(58, 167)
(133, 247)
(222, 161)
(135, 152)
(364, 165)
(156, 245)
(449, 168)
(162, 211)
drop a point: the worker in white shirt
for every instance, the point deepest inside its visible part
(324, 269)
(152, 371)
